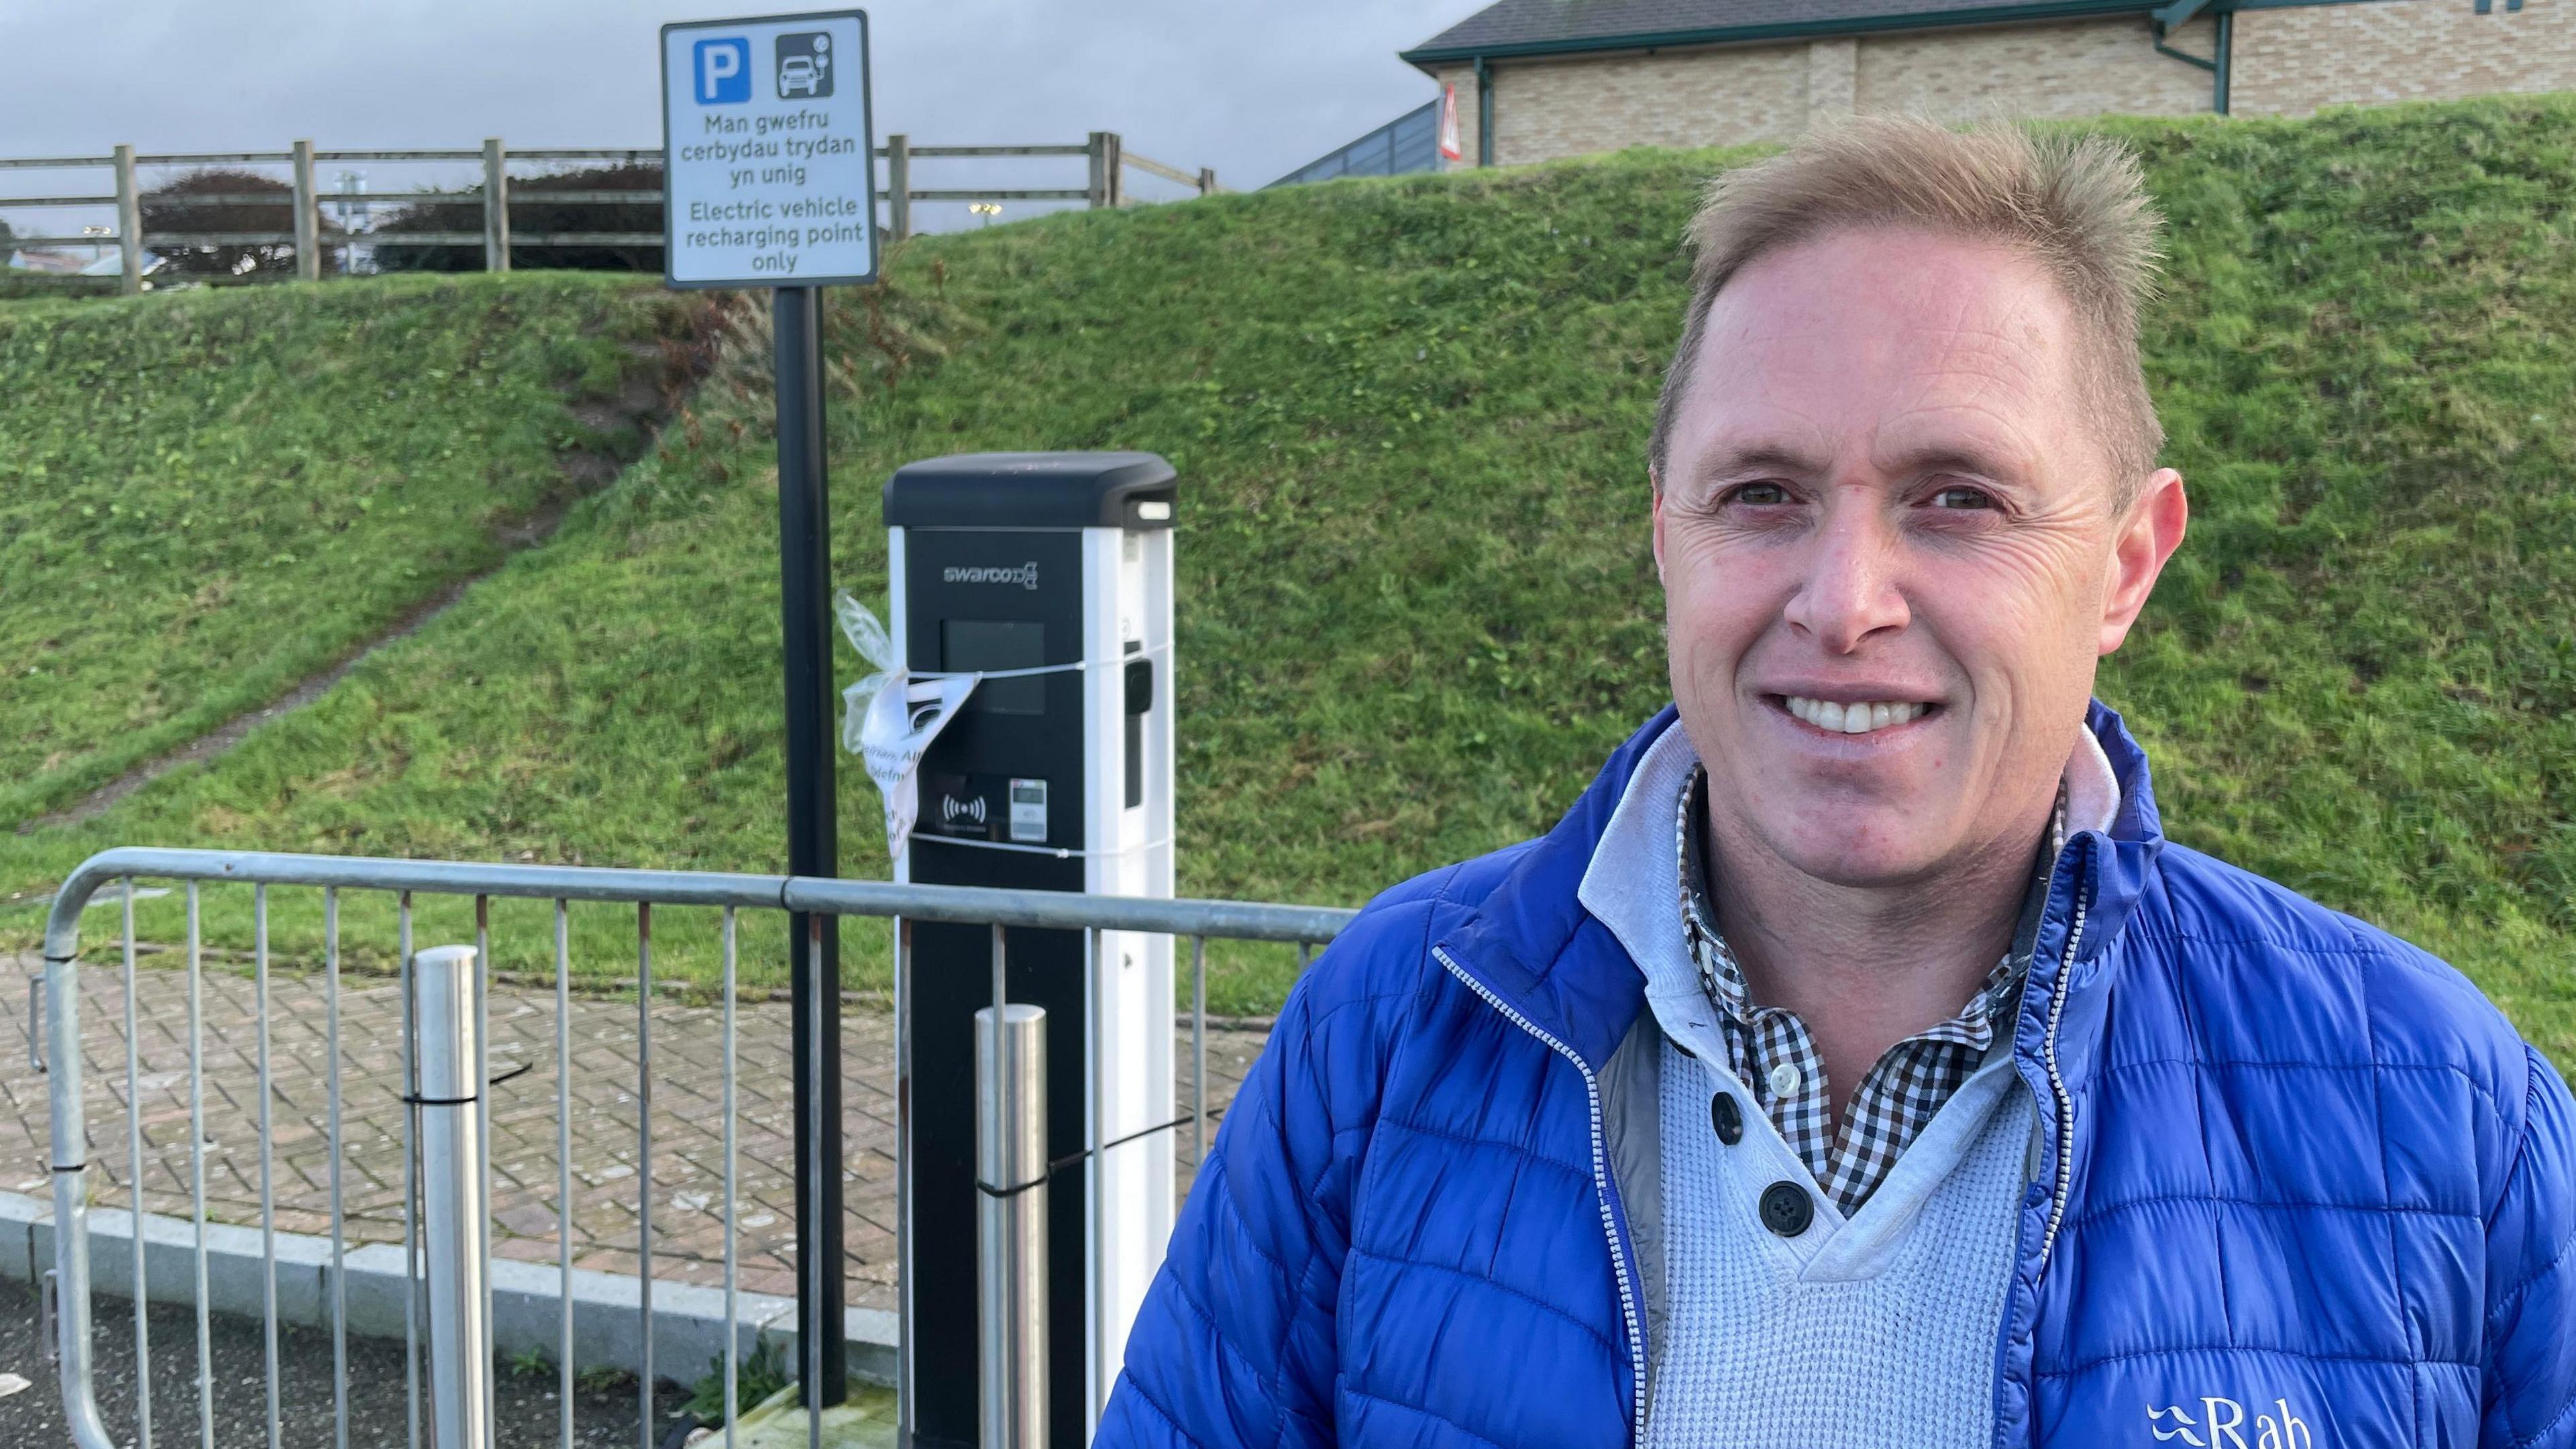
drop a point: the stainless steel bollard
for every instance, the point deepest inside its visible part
(454, 1214)
(1011, 1224)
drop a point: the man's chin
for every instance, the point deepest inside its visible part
(1855, 852)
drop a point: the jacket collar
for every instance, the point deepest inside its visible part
(2107, 872)
(2127, 851)
(1531, 943)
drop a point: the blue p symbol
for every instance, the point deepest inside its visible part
(724, 71)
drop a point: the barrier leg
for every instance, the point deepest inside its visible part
(1011, 1224)
(453, 1216)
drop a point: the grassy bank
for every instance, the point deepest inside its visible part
(207, 497)
(1416, 607)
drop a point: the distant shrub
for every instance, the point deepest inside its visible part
(166, 214)
(534, 218)
(20, 286)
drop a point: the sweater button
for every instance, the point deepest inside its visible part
(1786, 1209)
(1727, 1117)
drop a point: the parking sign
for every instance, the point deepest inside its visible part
(768, 152)
(724, 71)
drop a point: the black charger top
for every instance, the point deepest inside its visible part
(1032, 490)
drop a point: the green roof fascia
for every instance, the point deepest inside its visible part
(1425, 57)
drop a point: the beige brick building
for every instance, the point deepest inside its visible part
(1536, 79)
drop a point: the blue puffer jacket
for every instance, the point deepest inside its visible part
(2297, 1177)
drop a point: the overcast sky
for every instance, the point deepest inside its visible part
(1253, 89)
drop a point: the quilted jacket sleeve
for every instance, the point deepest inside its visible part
(1235, 1343)
(2531, 1295)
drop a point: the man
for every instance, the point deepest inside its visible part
(1857, 1063)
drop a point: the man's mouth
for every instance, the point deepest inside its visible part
(1859, 717)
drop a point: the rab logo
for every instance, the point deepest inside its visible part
(2221, 1425)
(1026, 575)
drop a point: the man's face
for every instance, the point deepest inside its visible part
(1892, 553)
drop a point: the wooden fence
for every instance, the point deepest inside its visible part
(1105, 186)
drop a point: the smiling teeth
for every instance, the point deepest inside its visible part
(1853, 719)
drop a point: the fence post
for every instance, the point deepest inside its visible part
(496, 208)
(454, 1216)
(1106, 189)
(129, 223)
(899, 186)
(1207, 181)
(1011, 1224)
(308, 217)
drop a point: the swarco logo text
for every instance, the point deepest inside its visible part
(2222, 1424)
(1026, 575)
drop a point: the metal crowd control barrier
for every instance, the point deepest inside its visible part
(445, 1007)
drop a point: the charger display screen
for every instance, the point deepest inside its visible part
(998, 644)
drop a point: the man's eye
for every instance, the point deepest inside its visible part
(1961, 497)
(1759, 495)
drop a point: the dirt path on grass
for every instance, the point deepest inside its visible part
(233, 731)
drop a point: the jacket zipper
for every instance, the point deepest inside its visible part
(2065, 1174)
(1600, 1188)
(2057, 1089)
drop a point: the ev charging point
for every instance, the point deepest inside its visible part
(1050, 574)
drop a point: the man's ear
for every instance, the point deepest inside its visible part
(1657, 484)
(2149, 536)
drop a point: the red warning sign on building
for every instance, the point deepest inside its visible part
(1450, 150)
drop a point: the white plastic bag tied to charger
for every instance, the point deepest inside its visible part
(889, 718)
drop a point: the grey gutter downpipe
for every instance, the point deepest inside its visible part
(2225, 68)
(1484, 112)
(2172, 17)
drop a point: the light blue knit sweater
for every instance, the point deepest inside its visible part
(1880, 1330)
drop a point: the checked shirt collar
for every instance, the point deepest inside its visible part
(1774, 1055)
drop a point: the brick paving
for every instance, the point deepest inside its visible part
(688, 1144)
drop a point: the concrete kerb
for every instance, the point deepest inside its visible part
(688, 1319)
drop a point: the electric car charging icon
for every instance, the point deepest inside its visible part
(805, 64)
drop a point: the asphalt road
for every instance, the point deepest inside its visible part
(524, 1404)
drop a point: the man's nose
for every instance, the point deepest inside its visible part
(1850, 590)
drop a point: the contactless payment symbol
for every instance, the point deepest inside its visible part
(724, 71)
(804, 64)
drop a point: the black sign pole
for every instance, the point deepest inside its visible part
(813, 849)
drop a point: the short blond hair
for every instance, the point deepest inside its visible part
(2076, 205)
